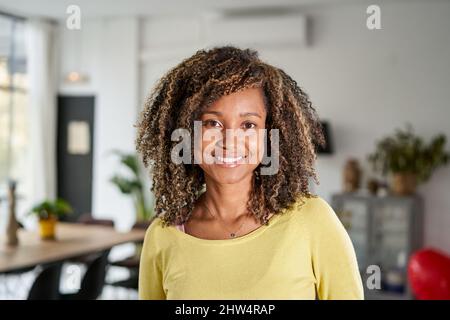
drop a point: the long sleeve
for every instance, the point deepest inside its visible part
(150, 273)
(333, 256)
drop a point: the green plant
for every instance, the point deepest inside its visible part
(404, 152)
(47, 209)
(133, 185)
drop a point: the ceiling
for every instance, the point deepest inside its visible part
(56, 9)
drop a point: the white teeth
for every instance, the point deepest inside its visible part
(228, 160)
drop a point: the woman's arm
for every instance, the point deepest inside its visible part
(150, 272)
(333, 256)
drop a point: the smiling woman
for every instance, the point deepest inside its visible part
(225, 227)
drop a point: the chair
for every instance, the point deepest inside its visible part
(130, 263)
(87, 219)
(46, 284)
(93, 280)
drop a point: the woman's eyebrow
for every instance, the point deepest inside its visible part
(245, 114)
(213, 112)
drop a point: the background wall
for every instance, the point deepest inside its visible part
(365, 83)
(107, 51)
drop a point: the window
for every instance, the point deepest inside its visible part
(13, 101)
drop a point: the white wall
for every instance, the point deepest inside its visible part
(369, 82)
(366, 83)
(107, 51)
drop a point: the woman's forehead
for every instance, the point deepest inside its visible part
(246, 101)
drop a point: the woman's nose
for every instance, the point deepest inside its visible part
(230, 141)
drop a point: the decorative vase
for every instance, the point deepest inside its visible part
(352, 175)
(404, 184)
(47, 228)
(13, 225)
(372, 186)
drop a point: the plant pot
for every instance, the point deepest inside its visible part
(404, 184)
(47, 228)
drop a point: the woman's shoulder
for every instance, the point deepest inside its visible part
(315, 212)
(310, 204)
(157, 232)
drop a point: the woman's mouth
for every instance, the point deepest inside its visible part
(229, 162)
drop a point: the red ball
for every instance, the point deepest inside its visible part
(429, 275)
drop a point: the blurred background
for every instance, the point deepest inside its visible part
(74, 76)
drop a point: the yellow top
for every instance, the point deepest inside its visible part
(303, 253)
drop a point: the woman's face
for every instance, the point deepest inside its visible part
(232, 142)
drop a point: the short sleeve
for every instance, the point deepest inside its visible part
(333, 256)
(150, 271)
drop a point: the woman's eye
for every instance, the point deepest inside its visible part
(211, 123)
(249, 125)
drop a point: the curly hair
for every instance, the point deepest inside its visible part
(180, 97)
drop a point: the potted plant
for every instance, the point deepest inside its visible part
(408, 159)
(48, 213)
(133, 185)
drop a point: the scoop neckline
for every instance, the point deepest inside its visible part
(252, 234)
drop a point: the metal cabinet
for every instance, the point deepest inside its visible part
(384, 231)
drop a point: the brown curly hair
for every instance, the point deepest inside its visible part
(185, 91)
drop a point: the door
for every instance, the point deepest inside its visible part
(74, 152)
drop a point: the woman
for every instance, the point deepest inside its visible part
(231, 228)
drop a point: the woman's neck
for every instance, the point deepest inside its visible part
(228, 201)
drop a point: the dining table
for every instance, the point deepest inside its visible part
(72, 240)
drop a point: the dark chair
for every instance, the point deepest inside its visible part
(130, 263)
(93, 280)
(46, 284)
(87, 219)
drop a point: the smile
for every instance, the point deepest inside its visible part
(228, 162)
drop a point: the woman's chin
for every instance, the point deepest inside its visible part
(230, 174)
